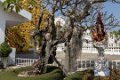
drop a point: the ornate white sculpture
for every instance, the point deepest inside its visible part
(99, 37)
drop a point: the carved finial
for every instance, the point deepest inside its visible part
(98, 32)
(99, 23)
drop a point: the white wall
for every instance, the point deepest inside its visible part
(2, 35)
(11, 19)
(5, 17)
(112, 48)
(22, 12)
(11, 59)
(2, 27)
(10, 16)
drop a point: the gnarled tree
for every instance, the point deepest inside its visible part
(78, 12)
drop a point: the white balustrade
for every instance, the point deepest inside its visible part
(28, 62)
(83, 64)
(113, 50)
(113, 47)
(25, 61)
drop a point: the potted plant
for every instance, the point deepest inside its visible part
(5, 50)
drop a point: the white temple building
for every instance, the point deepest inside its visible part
(9, 19)
(113, 47)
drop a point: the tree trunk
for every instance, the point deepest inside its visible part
(67, 57)
(73, 50)
(47, 55)
(76, 48)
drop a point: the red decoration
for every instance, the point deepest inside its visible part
(98, 32)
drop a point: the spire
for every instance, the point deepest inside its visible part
(99, 23)
(98, 33)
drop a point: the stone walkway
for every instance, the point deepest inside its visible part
(94, 56)
(61, 55)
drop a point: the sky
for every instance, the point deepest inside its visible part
(111, 8)
(114, 9)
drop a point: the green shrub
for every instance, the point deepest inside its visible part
(74, 76)
(81, 75)
(5, 49)
(53, 73)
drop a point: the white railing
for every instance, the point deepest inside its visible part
(88, 48)
(28, 62)
(112, 51)
(25, 61)
(83, 64)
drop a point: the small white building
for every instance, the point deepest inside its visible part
(9, 19)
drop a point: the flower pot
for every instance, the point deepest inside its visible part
(5, 61)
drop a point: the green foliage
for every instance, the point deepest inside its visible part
(9, 5)
(16, 39)
(53, 73)
(116, 33)
(26, 48)
(5, 49)
(19, 36)
(75, 76)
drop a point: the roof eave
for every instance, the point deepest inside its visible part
(23, 13)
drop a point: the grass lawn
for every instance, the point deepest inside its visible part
(53, 73)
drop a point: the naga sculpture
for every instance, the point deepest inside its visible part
(99, 39)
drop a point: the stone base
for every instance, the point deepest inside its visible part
(103, 72)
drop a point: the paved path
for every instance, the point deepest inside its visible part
(90, 56)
